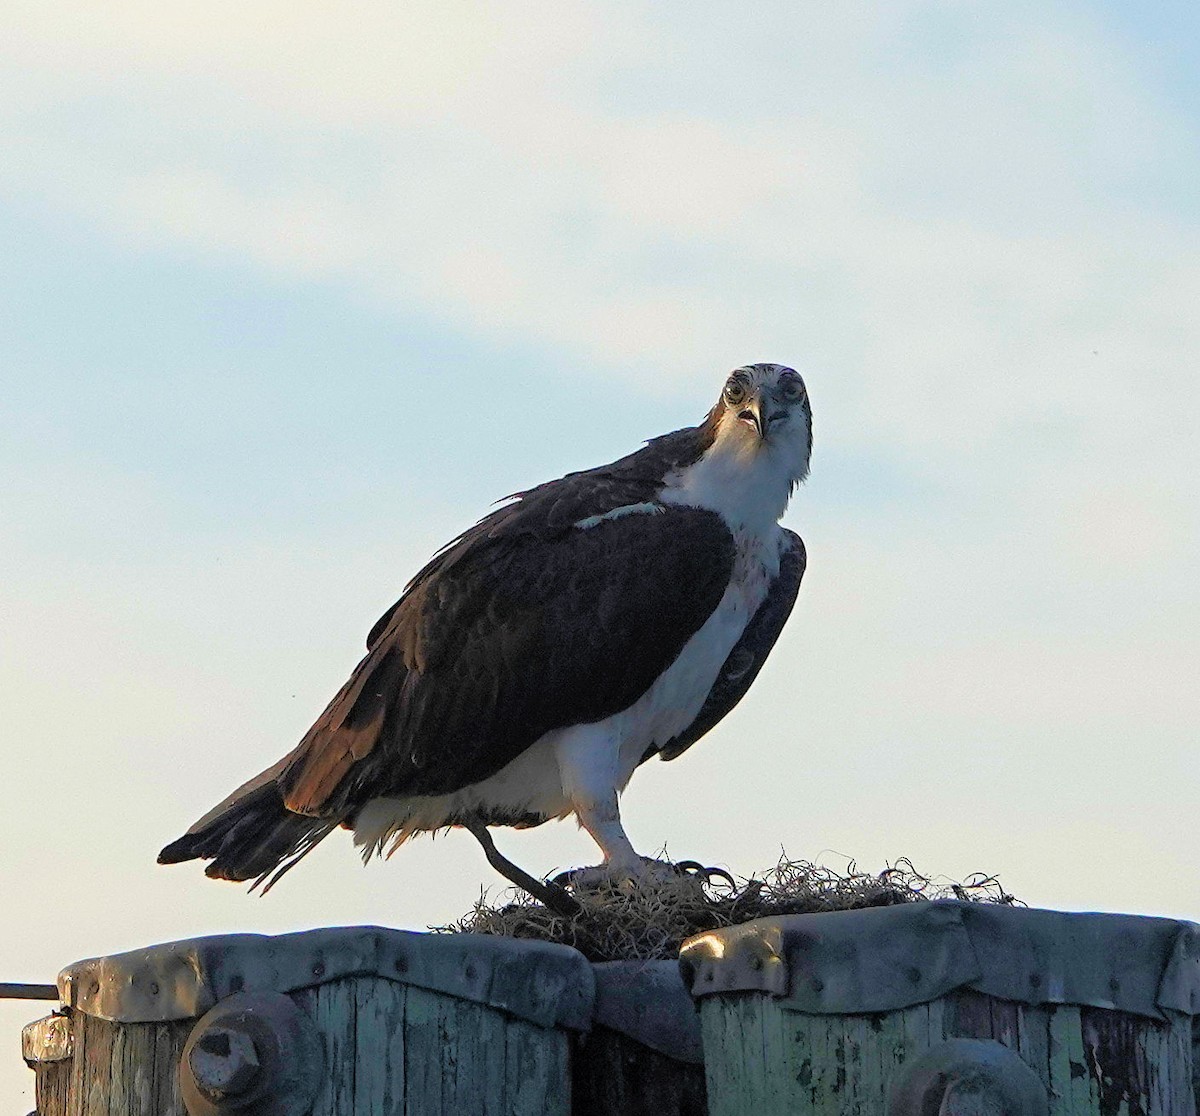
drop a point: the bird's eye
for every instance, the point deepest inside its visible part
(793, 387)
(735, 392)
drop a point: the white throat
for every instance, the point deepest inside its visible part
(746, 482)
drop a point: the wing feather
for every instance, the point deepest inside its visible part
(512, 635)
(746, 659)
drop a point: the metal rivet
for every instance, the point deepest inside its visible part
(914, 975)
(470, 971)
(1035, 980)
(818, 984)
(318, 970)
(401, 965)
(154, 988)
(756, 963)
(1114, 984)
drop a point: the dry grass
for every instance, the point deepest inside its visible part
(649, 921)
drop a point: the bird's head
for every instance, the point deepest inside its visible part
(764, 409)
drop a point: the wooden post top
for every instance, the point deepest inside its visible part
(888, 958)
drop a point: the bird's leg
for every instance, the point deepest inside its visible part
(588, 766)
(621, 862)
(602, 821)
(550, 895)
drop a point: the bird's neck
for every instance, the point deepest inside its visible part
(748, 484)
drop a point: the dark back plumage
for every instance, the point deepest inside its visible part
(525, 623)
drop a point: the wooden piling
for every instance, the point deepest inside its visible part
(400, 1023)
(951, 1008)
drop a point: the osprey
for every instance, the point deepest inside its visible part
(591, 623)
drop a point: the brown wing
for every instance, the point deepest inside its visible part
(513, 637)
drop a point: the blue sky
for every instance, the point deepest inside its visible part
(289, 301)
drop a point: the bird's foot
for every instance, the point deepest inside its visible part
(613, 874)
(638, 872)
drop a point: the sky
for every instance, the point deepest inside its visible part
(292, 295)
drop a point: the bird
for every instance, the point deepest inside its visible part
(583, 627)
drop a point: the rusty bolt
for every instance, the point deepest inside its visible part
(251, 1052)
(224, 1062)
(968, 1077)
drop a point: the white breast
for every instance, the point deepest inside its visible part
(605, 752)
(673, 702)
(750, 498)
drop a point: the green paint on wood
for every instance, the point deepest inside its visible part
(764, 1059)
(748, 1018)
(379, 1047)
(537, 1072)
(776, 1084)
(1033, 1040)
(422, 1054)
(397, 1050)
(332, 1008)
(390, 1050)
(1069, 1092)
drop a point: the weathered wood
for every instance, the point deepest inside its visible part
(537, 1072)
(763, 1058)
(1033, 1040)
(968, 1015)
(1129, 1064)
(1069, 1086)
(53, 1083)
(390, 1050)
(379, 1011)
(333, 1008)
(131, 1069)
(169, 1040)
(404, 1051)
(774, 1055)
(93, 1057)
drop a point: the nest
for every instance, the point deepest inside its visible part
(650, 920)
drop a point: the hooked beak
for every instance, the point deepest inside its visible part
(754, 415)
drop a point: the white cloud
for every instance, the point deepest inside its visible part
(466, 160)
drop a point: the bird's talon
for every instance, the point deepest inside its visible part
(645, 870)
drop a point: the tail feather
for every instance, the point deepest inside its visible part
(252, 835)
